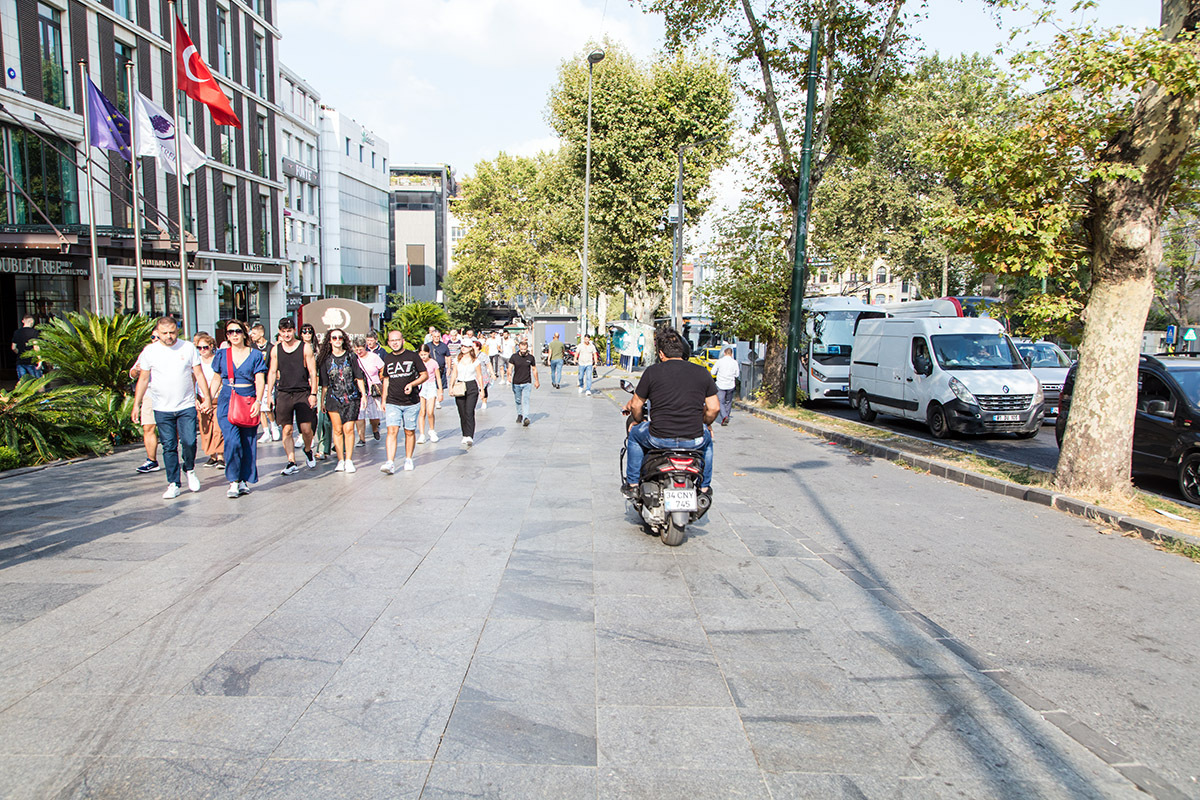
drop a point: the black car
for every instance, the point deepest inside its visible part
(1166, 436)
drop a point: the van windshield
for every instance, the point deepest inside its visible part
(976, 351)
(833, 336)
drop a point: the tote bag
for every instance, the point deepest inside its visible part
(239, 405)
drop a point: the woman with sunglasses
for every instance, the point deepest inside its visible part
(345, 388)
(211, 440)
(466, 368)
(249, 379)
(322, 439)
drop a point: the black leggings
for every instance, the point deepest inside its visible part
(466, 408)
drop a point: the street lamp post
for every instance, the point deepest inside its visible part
(594, 58)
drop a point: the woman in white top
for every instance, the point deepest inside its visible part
(372, 366)
(466, 368)
(211, 440)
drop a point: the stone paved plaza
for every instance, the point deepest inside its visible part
(495, 624)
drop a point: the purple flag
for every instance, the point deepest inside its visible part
(110, 130)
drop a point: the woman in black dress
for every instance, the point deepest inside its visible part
(345, 391)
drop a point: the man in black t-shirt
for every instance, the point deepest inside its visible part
(683, 403)
(521, 366)
(403, 374)
(24, 344)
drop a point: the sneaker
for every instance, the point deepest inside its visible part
(341, 467)
(484, 407)
(276, 432)
(350, 466)
(377, 436)
(310, 459)
(525, 424)
(470, 442)
(243, 487)
(149, 465)
(361, 443)
(408, 465)
(519, 418)
(212, 461)
(388, 467)
(297, 441)
(433, 436)
(581, 390)
(465, 440)
(193, 481)
(290, 469)
(233, 490)
(172, 491)
(589, 394)
(266, 437)
(421, 439)
(628, 490)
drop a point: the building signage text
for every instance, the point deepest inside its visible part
(295, 169)
(41, 266)
(229, 265)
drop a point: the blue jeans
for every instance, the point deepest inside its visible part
(28, 371)
(640, 441)
(585, 377)
(522, 392)
(556, 372)
(177, 428)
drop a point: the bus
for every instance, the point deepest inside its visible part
(830, 323)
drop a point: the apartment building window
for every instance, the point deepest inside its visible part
(231, 219)
(288, 229)
(312, 156)
(881, 275)
(264, 230)
(126, 9)
(347, 145)
(361, 150)
(312, 204)
(301, 226)
(372, 159)
(225, 138)
(224, 52)
(904, 286)
(44, 174)
(54, 85)
(260, 71)
(189, 214)
(124, 55)
(185, 112)
(385, 166)
(264, 149)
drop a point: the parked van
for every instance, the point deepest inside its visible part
(953, 373)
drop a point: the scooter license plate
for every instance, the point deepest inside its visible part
(679, 500)
(1006, 418)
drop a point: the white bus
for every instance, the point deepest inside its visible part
(824, 372)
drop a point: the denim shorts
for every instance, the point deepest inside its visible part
(403, 416)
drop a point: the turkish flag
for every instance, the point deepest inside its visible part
(197, 82)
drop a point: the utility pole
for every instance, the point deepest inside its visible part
(799, 268)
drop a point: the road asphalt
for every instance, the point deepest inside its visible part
(496, 624)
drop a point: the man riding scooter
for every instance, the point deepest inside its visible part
(683, 403)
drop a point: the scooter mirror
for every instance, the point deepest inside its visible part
(627, 385)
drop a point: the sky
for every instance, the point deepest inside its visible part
(457, 81)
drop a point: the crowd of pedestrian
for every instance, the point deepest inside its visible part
(224, 395)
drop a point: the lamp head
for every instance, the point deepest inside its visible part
(595, 57)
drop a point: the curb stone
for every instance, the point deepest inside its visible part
(1149, 531)
(63, 462)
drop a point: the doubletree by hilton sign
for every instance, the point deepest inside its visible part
(42, 266)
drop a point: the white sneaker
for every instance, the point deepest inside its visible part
(388, 467)
(341, 467)
(276, 432)
(421, 439)
(172, 491)
(233, 490)
(470, 442)
(243, 487)
(350, 466)
(589, 394)
(581, 390)
(297, 441)
(484, 408)
(408, 465)
(433, 437)
(465, 440)
(266, 437)
(193, 481)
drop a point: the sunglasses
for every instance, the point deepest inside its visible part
(232, 331)
(337, 338)
(204, 347)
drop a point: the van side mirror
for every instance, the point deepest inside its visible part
(1158, 408)
(923, 365)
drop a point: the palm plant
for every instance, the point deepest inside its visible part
(43, 423)
(415, 319)
(87, 349)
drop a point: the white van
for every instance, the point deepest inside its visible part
(953, 373)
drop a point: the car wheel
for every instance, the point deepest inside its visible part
(936, 417)
(1189, 478)
(865, 412)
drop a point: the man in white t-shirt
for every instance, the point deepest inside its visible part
(171, 370)
(585, 355)
(726, 372)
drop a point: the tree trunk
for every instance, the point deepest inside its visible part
(775, 361)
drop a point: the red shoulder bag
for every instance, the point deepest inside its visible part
(239, 405)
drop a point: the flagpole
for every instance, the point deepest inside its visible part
(137, 195)
(183, 270)
(87, 152)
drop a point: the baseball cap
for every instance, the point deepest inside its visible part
(286, 323)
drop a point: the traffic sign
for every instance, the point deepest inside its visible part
(1189, 335)
(1170, 337)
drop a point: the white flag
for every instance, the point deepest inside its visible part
(156, 138)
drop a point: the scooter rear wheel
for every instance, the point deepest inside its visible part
(672, 535)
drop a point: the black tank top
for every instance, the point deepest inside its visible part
(293, 372)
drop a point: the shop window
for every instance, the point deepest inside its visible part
(159, 297)
(241, 300)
